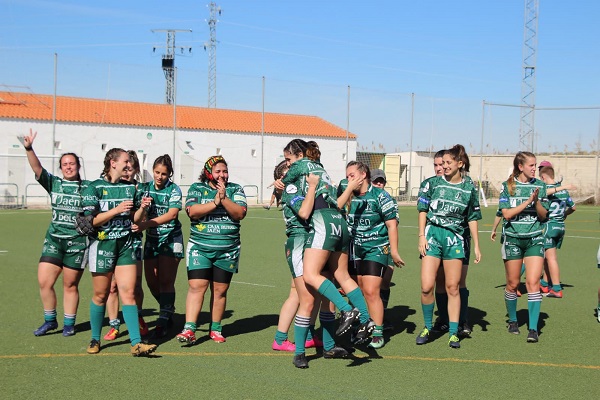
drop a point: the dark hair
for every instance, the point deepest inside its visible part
(312, 151)
(520, 159)
(135, 165)
(111, 155)
(439, 154)
(77, 162)
(206, 174)
(279, 169)
(165, 160)
(458, 153)
(308, 149)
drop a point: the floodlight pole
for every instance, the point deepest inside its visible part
(54, 110)
(262, 143)
(347, 128)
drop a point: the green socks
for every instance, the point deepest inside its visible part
(130, 315)
(70, 319)
(428, 314)
(50, 315)
(216, 326)
(300, 332)
(534, 303)
(329, 290)
(192, 326)
(96, 317)
(327, 320)
(452, 328)
(510, 299)
(357, 299)
(280, 337)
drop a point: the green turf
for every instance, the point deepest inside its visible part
(493, 364)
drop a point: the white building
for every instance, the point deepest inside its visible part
(251, 142)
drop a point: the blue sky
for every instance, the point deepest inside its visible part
(452, 55)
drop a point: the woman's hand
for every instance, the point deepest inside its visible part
(534, 196)
(313, 180)
(28, 139)
(477, 255)
(423, 245)
(124, 206)
(398, 261)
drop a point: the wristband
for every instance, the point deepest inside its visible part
(30, 148)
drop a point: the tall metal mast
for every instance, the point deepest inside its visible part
(530, 38)
(168, 61)
(211, 47)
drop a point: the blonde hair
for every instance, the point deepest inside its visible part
(519, 160)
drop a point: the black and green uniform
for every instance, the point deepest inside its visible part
(523, 235)
(328, 228)
(165, 239)
(296, 230)
(63, 246)
(215, 238)
(369, 240)
(113, 245)
(449, 207)
(559, 203)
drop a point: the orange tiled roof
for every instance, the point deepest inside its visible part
(15, 105)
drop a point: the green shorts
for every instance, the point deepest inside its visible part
(518, 248)
(444, 244)
(378, 252)
(105, 255)
(172, 247)
(199, 257)
(328, 231)
(294, 251)
(71, 253)
(553, 236)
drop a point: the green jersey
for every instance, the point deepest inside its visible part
(367, 215)
(298, 172)
(292, 199)
(525, 224)
(162, 200)
(101, 196)
(215, 230)
(449, 205)
(559, 203)
(65, 197)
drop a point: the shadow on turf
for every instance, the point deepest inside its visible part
(523, 318)
(397, 316)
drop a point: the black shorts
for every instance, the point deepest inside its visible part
(214, 274)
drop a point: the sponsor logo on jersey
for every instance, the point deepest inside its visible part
(201, 227)
(291, 189)
(101, 235)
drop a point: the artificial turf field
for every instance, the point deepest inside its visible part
(492, 364)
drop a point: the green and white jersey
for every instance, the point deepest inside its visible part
(101, 196)
(292, 199)
(449, 205)
(162, 200)
(298, 172)
(526, 224)
(367, 216)
(65, 197)
(216, 230)
(559, 203)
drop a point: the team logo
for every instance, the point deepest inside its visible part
(385, 250)
(443, 192)
(201, 227)
(291, 189)
(105, 193)
(232, 266)
(101, 235)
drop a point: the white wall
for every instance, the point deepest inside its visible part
(192, 148)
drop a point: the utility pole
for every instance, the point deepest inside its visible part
(527, 125)
(168, 61)
(211, 47)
